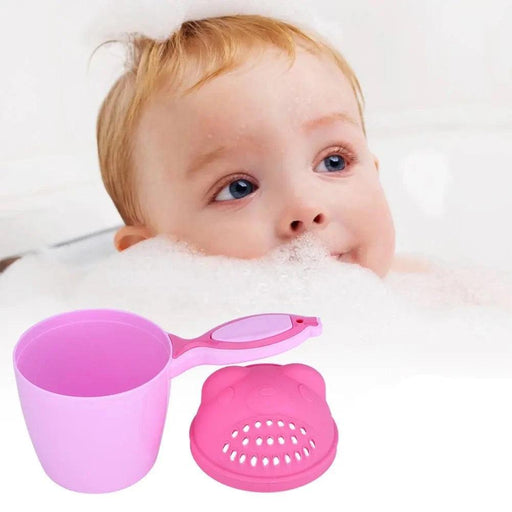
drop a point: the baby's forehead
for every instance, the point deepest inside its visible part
(264, 89)
(264, 67)
(259, 103)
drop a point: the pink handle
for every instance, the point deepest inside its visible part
(245, 339)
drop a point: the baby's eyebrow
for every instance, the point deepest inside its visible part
(308, 126)
(312, 124)
(203, 159)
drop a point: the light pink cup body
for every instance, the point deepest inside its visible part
(94, 386)
(95, 443)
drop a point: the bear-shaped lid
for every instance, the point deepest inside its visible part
(264, 427)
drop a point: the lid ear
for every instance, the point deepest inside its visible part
(307, 375)
(220, 380)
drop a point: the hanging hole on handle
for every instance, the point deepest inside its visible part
(300, 320)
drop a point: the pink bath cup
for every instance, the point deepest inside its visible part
(94, 386)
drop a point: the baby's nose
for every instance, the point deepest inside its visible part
(310, 221)
(301, 217)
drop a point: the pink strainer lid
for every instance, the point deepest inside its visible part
(264, 427)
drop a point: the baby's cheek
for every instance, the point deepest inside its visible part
(234, 239)
(372, 203)
(372, 224)
(363, 206)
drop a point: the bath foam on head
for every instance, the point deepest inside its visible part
(158, 18)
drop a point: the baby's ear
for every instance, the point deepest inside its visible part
(130, 235)
(376, 162)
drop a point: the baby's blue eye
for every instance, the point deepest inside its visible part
(338, 163)
(237, 189)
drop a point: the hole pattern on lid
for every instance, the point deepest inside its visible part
(273, 444)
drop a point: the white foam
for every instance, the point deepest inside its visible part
(450, 320)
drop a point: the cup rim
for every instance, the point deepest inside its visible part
(25, 340)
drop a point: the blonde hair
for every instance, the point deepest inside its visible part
(215, 46)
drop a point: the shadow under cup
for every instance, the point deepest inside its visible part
(94, 389)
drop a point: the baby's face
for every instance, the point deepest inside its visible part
(257, 157)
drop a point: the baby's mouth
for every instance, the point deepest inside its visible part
(343, 256)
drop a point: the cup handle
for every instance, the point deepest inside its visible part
(245, 339)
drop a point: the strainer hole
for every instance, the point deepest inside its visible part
(280, 439)
(246, 428)
(294, 439)
(297, 456)
(280, 423)
(292, 426)
(233, 455)
(287, 459)
(259, 441)
(303, 431)
(242, 458)
(254, 460)
(270, 441)
(265, 461)
(257, 424)
(245, 442)
(234, 434)
(306, 451)
(225, 448)
(312, 443)
(269, 423)
(275, 460)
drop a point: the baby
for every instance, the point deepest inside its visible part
(238, 134)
